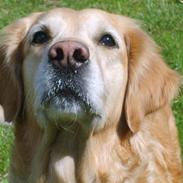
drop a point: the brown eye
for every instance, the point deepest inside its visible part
(40, 37)
(108, 41)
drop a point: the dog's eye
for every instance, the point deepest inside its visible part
(108, 41)
(40, 37)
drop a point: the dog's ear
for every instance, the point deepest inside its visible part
(12, 40)
(151, 83)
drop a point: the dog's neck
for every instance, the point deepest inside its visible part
(75, 157)
(65, 154)
(68, 154)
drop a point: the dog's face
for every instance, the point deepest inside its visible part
(86, 66)
(74, 66)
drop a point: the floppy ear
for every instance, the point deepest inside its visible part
(151, 84)
(11, 58)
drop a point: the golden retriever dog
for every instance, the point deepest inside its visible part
(91, 98)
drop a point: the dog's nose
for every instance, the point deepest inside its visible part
(69, 54)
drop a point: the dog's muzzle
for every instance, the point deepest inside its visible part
(67, 86)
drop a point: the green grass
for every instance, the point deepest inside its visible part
(162, 19)
(6, 140)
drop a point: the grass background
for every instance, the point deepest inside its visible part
(162, 19)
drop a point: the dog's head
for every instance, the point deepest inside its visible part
(87, 66)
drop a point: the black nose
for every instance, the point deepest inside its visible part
(70, 54)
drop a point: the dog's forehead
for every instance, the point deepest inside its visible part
(75, 14)
(73, 18)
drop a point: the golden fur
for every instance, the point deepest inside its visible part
(135, 141)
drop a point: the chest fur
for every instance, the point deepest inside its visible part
(133, 162)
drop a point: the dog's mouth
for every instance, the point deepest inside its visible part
(65, 95)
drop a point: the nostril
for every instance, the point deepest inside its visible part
(56, 54)
(59, 54)
(79, 55)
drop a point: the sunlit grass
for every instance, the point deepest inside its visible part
(6, 139)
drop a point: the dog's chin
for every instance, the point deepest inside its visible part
(65, 108)
(62, 109)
